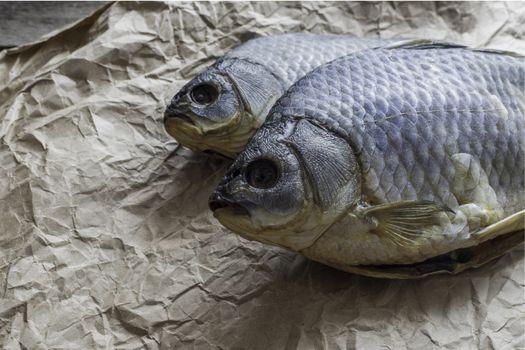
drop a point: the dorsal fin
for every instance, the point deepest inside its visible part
(425, 44)
(500, 52)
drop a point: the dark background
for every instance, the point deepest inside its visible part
(23, 22)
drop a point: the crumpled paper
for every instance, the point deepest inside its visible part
(106, 240)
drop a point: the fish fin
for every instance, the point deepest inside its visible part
(515, 222)
(405, 222)
(329, 162)
(500, 52)
(423, 44)
(452, 262)
(257, 87)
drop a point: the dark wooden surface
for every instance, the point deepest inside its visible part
(22, 22)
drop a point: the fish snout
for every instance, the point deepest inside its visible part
(174, 113)
(217, 201)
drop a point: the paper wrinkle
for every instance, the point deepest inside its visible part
(105, 234)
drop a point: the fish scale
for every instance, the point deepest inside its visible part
(458, 94)
(304, 52)
(222, 107)
(398, 162)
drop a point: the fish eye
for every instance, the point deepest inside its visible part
(204, 94)
(261, 173)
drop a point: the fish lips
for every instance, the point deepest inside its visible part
(174, 115)
(178, 123)
(219, 201)
(180, 119)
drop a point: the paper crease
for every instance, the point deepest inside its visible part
(105, 234)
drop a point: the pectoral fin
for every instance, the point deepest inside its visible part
(404, 223)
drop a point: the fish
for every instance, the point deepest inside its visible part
(389, 162)
(219, 110)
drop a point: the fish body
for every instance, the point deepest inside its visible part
(222, 107)
(387, 157)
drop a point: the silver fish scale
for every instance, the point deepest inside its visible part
(407, 111)
(304, 52)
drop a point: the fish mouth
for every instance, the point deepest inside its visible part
(218, 202)
(182, 122)
(182, 127)
(170, 117)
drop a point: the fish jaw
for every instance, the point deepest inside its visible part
(293, 233)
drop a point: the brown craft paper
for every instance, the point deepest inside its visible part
(106, 241)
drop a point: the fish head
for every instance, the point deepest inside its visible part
(288, 186)
(207, 105)
(222, 107)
